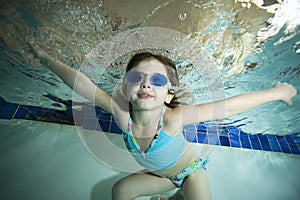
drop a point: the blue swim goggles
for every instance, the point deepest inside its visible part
(136, 77)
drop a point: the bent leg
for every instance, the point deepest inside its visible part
(196, 186)
(140, 184)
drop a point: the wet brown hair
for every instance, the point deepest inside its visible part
(172, 74)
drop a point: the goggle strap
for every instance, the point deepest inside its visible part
(174, 88)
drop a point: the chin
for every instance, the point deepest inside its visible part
(146, 106)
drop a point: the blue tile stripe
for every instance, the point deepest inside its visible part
(94, 118)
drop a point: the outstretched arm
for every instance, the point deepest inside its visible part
(237, 104)
(80, 83)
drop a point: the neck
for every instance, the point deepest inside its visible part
(145, 118)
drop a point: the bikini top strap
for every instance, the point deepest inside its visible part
(162, 116)
(129, 123)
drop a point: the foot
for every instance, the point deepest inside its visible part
(159, 198)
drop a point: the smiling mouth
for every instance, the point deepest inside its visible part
(144, 96)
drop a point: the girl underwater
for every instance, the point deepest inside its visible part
(152, 122)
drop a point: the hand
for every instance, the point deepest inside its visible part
(286, 92)
(38, 52)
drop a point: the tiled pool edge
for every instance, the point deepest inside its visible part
(225, 135)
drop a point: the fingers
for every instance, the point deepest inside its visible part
(286, 92)
(289, 102)
(278, 83)
(31, 43)
(37, 51)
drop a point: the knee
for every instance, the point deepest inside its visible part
(196, 186)
(120, 191)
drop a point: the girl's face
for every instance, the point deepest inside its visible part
(145, 91)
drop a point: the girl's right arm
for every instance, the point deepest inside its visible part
(80, 83)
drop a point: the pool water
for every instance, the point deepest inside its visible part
(246, 45)
(251, 47)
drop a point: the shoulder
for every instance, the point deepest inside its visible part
(122, 120)
(183, 115)
(173, 120)
(173, 114)
(120, 111)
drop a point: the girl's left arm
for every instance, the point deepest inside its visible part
(235, 105)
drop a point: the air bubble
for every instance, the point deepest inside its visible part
(182, 16)
(297, 47)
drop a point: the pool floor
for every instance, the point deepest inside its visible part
(48, 161)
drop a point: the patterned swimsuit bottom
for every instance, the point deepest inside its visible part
(179, 179)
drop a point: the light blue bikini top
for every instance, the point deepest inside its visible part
(163, 151)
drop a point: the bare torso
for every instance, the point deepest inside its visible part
(188, 156)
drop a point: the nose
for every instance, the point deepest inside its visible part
(144, 86)
(146, 83)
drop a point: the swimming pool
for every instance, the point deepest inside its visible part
(260, 147)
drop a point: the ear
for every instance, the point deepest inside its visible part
(169, 97)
